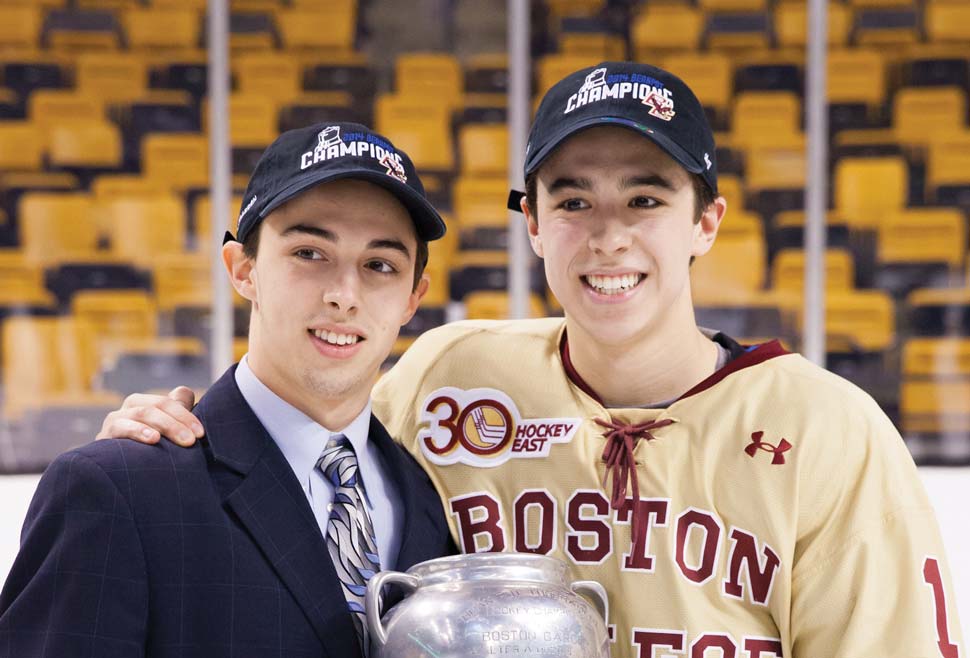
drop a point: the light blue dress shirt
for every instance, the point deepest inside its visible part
(302, 440)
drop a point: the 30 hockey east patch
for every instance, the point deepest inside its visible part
(483, 427)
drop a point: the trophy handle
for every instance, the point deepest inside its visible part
(595, 592)
(373, 597)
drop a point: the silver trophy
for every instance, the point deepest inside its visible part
(488, 604)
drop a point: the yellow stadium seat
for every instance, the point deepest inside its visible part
(111, 186)
(484, 149)
(859, 319)
(731, 188)
(665, 28)
(735, 265)
(732, 5)
(420, 127)
(867, 189)
(98, 31)
(21, 146)
(428, 76)
(116, 314)
(788, 270)
(182, 280)
(710, 75)
(769, 168)
(873, 29)
(151, 29)
(494, 305)
(252, 121)
(791, 23)
(21, 282)
(920, 113)
(947, 21)
(114, 78)
(56, 228)
(948, 162)
(937, 357)
(574, 8)
(202, 219)
(924, 235)
(108, 5)
(47, 107)
(251, 32)
(593, 44)
(300, 27)
(180, 159)
(935, 386)
(20, 27)
(553, 68)
(44, 357)
(880, 3)
(145, 227)
(85, 143)
(766, 118)
(480, 202)
(276, 77)
(856, 75)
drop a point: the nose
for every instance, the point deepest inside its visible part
(342, 294)
(609, 236)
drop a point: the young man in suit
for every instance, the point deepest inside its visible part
(260, 538)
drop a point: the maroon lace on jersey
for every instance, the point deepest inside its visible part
(621, 441)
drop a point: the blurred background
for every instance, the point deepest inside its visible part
(106, 202)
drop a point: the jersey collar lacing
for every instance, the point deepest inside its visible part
(621, 441)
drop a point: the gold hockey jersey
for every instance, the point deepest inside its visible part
(778, 512)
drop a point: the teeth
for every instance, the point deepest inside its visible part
(335, 338)
(611, 285)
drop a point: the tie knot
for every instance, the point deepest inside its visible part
(339, 462)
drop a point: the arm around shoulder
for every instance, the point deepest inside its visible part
(78, 586)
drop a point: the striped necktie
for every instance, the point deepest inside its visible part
(350, 533)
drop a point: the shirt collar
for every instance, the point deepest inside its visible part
(300, 438)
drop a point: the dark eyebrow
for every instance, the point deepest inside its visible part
(330, 236)
(322, 233)
(397, 245)
(564, 183)
(653, 180)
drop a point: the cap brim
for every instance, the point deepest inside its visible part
(427, 222)
(660, 139)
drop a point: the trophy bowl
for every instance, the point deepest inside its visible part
(488, 604)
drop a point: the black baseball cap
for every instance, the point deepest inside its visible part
(299, 159)
(646, 99)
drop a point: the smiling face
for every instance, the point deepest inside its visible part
(614, 224)
(330, 286)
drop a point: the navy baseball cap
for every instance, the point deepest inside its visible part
(643, 98)
(299, 159)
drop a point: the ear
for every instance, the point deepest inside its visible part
(705, 231)
(241, 269)
(415, 299)
(532, 224)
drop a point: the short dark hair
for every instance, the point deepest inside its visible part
(704, 196)
(251, 246)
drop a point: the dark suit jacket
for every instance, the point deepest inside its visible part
(206, 552)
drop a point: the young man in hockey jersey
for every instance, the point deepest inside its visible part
(732, 498)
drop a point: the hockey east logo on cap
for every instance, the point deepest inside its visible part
(600, 86)
(483, 427)
(332, 145)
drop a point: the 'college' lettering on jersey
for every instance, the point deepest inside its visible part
(483, 427)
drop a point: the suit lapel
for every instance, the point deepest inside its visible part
(264, 494)
(419, 507)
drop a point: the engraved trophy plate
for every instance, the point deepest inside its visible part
(489, 604)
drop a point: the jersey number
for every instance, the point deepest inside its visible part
(931, 574)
